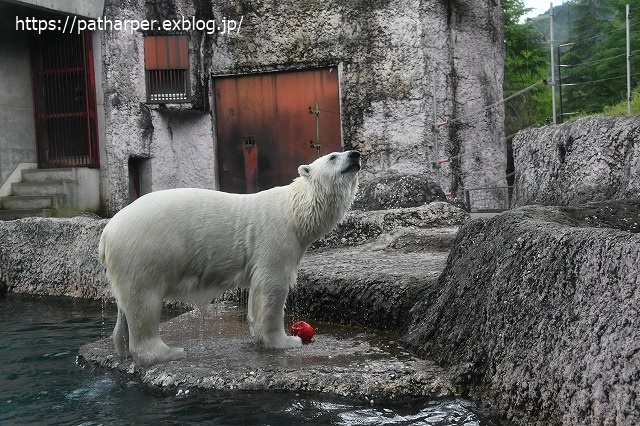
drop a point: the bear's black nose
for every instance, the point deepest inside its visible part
(354, 154)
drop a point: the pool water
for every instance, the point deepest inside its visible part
(41, 383)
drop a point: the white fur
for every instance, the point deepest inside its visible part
(194, 244)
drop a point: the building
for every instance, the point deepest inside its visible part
(135, 96)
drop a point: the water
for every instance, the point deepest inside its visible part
(40, 383)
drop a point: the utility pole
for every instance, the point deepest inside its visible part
(561, 117)
(553, 65)
(628, 63)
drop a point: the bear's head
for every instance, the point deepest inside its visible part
(333, 166)
(324, 192)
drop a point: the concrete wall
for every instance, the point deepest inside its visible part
(182, 152)
(395, 59)
(17, 129)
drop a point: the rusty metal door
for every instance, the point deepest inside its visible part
(269, 124)
(64, 100)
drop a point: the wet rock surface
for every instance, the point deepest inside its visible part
(221, 355)
(537, 310)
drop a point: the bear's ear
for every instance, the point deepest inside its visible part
(304, 170)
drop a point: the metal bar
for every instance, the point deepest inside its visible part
(628, 13)
(553, 65)
(85, 74)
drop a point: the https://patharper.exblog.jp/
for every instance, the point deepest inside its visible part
(75, 24)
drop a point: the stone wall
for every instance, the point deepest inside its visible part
(589, 159)
(537, 310)
(395, 59)
(57, 257)
(177, 141)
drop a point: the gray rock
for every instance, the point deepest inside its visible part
(537, 310)
(53, 256)
(365, 286)
(222, 356)
(395, 190)
(359, 227)
(590, 159)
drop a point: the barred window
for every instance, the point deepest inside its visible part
(166, 63)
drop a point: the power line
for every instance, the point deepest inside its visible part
(596, 61)
(586, 39)
(478, 111)
(597, 81)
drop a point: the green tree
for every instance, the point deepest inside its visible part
(526, 63)
(593, 62)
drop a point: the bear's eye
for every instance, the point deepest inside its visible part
(333, 157)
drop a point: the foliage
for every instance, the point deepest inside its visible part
(590, 40)
(593, 71)
(526, 63)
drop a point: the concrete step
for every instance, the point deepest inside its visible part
(22, 213)
(29, 202)
(66, 191)
(41, 188)
(44, 175)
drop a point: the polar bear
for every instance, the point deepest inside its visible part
(194, 244)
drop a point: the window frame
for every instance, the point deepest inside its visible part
(167, 69)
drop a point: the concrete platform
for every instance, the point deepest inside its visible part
(221, 355)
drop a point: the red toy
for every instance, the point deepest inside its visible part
(303, 330)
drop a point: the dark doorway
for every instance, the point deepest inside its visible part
(64, 100)
(269, 124)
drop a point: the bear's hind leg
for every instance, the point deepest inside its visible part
(145, 344)
(121, 335)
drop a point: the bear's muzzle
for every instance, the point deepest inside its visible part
(353, 164)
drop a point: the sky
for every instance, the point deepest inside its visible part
(539, 6)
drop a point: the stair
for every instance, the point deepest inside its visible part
(50, 192)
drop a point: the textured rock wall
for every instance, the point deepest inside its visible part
(394, 59)
(589, 159)
(51, 256)
(537, 309)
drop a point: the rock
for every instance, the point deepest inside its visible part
(53, 256)
(590, 159)
(537, 310)
(359, 227)
(340, 361)
(362, 286)
(395, 190)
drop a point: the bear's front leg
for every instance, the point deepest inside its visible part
(266, 313)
